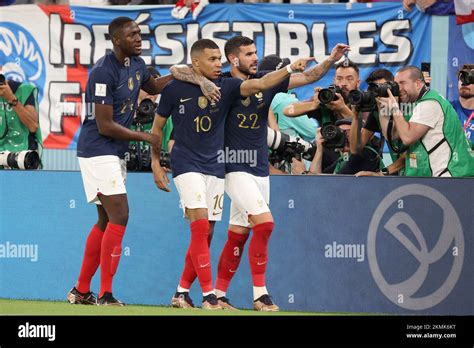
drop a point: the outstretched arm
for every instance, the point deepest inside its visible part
(185, 73)
(315, 73)
(155, 86)
(270, 80)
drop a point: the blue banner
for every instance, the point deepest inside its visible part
(56, 46)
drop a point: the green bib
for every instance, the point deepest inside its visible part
(421, 161)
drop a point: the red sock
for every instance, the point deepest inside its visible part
(230, 259)
(91, 259)
(258, 248)
(189, 274)
(199, 250)
(110, 253)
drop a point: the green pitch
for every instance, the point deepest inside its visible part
(22, 307)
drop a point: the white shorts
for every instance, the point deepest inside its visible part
(198, 190)
(104, 175)
(250, 195)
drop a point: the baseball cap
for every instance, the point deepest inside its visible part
(272, 62)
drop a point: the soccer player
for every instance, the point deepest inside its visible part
(111, 97)
(197, 171)
(248, 185)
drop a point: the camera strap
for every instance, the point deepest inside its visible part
(359, 131)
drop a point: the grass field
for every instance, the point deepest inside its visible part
(22, 307)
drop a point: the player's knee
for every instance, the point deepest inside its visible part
(119, 217)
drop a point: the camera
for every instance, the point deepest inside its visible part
(27, 159)
(327, 95)
(286, 147)
(2, 79)
(365, 100)
(139, 157)
(381, 90)
(466, 77)
(145, 112)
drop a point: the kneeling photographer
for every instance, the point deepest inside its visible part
(20, 136)
(139, 156)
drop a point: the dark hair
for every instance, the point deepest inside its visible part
(201, 45)
(233, 45)
(117, 24)
(465, 67)
(415, 73)
(348, 64)
(378, 74)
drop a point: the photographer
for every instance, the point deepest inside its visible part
(139, 158)
(436, 142)
(376, 124)
(345, 163)
(464, 105)
(20, 136)
(327, 106)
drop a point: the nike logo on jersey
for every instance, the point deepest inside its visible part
(184, 100)
(261, 263)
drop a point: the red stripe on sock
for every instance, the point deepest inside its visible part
(258, 252)
(111, 245)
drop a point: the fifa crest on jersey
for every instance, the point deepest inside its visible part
(130, 83)
(259, 96)
(202, 102)
(137, 75)
(246, 101)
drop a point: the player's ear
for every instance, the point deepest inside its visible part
(115, 39)
(233, 60)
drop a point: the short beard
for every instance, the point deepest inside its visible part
(243, 71)
(466, 95)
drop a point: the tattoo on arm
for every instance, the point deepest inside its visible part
(187, 74)
(314, 74)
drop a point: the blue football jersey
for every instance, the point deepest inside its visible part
(246, 129)
(198, 125)
(111, 83)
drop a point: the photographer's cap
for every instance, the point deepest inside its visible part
(272, 62)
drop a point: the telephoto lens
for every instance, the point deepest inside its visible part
(20, 160)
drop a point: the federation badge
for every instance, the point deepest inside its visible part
(246, 101)
(202, 102)
(130, 83)
(259, 95)
(137, 75)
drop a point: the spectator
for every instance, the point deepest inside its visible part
(464, 105)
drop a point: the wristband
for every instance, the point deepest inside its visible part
(384, 171)
(14, 102)
(289, 69)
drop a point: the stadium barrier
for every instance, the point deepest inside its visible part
(341, 244)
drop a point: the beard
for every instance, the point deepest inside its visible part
(465, 94)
